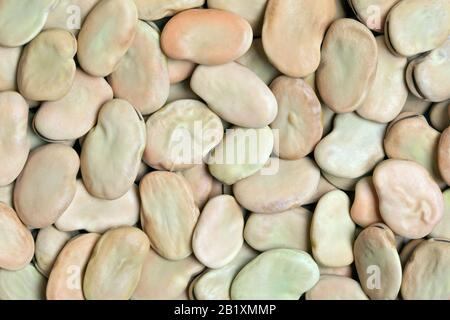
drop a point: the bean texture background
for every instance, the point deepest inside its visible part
(224, 150)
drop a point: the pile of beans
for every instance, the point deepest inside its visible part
(224, 149)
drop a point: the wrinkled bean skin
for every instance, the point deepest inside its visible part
(114, 268)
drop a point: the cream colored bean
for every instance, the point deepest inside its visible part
(181, 135)
(251, 10)
(16, 241)
(215, 284)
(87, 212)
(408, 249)
(442, 229)
(163, 279)
(47, 68)
(115, 266)
(46, 185)
(181, 91)
(332, 230)
(416, 26)
(107, 33)
(388, 93)
(142, 77)
(167, 200)
(9, 62)
(412, 138)
(416, 105)
(288, 229)
(443, 157)
(378, 263)
(235, 94)
(23, 284)
(336, 288)
(14, 145)
(323, 187)
(302, 24)
(345, 184)
(49, 243)
(342, 83)
(66, 277)
(179, 70)
(69, 14)
(201, 183)
(428, 76)
(156, 9)
(256, 60)
(21, 20)
(372, 13)
(426, 273)
(411, 203)
(242, 153)
(226, 35)
(276, 274)
(72, 116)
(353, 148)
(218, 235)
(6, 194)
(365, 210)
(299, 121)
(439, 116)
(102, 177)
(293, 184)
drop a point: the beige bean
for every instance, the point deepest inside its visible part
(299, 121)
(408, 249)
(372, 13)
(353, 148)
(23, 284)
(142, 77)
(288, 229)
(411, 203)
(49, 243)
(46, 185)
(21, 20)
(388, 94)
(412, 138)
(442, 229)
(293, 184)
(115, 266)
(342, 83)
(218, 235)
(215, 284)
(181, 135)
(235, 94)
(179, 70)
(336, 288)
(242, 153)
(256, 60)
(6, 194)
(301, 24)
(340, 271)
(226, 35)
(426, 273)
(345, 184)
(378, 263)
(163, 279)
(365, 210)
(72, 116)
(66, 277)
(109, 166)
(181, 91)
(439, 116)
(201, 183)
(34, 139)
(428, 76)
(332, 230)
(69, 14)
(276, 274)
(9, 62)
(416, 26)
(156, 9)
(443, 158)
(16, 241)
(14, 145)
(87, 212)
(323, 187)
(251, 10)
(46, 67)
(167, 200)
(107, 33)
(416, 105)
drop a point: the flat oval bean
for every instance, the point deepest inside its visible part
(365, 210)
